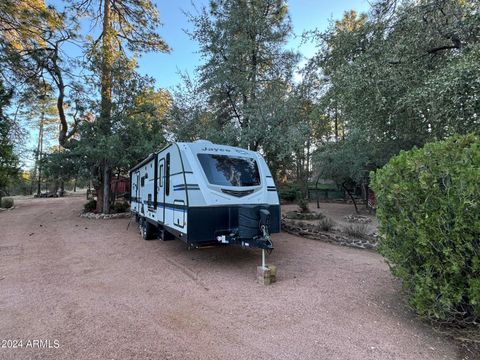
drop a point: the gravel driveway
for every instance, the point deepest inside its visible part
(96, 290)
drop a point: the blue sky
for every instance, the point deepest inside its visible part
(305, 15)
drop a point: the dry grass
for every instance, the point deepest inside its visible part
(325, 224)
(359, 231)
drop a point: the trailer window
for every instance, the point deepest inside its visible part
(161, 175)
(229, 170)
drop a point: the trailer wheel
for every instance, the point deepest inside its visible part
(148, 230)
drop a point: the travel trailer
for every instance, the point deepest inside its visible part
(205, 194)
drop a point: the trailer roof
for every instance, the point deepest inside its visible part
(210, 147)
(148, 158)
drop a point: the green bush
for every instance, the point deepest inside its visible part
(303, 205)
(428, 205)
(121, 207)
(90, 206)
(289, 193)
(7, 203)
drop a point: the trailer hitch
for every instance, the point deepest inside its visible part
(263, 241)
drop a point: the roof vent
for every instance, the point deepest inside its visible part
(203, 142)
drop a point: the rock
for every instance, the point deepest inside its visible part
(105, 216)
(266, 275)
(358, 219)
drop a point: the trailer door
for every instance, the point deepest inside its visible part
(137, 191)
(161, 190)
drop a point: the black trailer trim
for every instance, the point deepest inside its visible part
(205, 222)
(155, 179)
(182, 172)
(180, 187)
(175, 232)
(168, 205)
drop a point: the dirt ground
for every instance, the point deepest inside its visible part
(101, 292)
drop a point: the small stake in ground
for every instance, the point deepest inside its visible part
(266, 274)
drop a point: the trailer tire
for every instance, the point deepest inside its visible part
(148, 230)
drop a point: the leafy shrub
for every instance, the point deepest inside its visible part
(289, 193)
(90, 206)
(7, 203)
(358, 231)
(302, 204)
(325, 224)
(121, 207)
(428, 204)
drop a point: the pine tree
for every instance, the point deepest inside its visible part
(125, 25)
(242, 45)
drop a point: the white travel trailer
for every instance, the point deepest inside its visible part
(204, 194)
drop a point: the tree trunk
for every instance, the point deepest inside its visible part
(336, 123)
(99, 192)
(318, 192)
(351, 197)
(106, 103)
(37, 154)
(307, 169)
(115, 189)
(40, 150)
(106, 189)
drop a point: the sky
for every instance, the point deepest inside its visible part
(305, 14)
